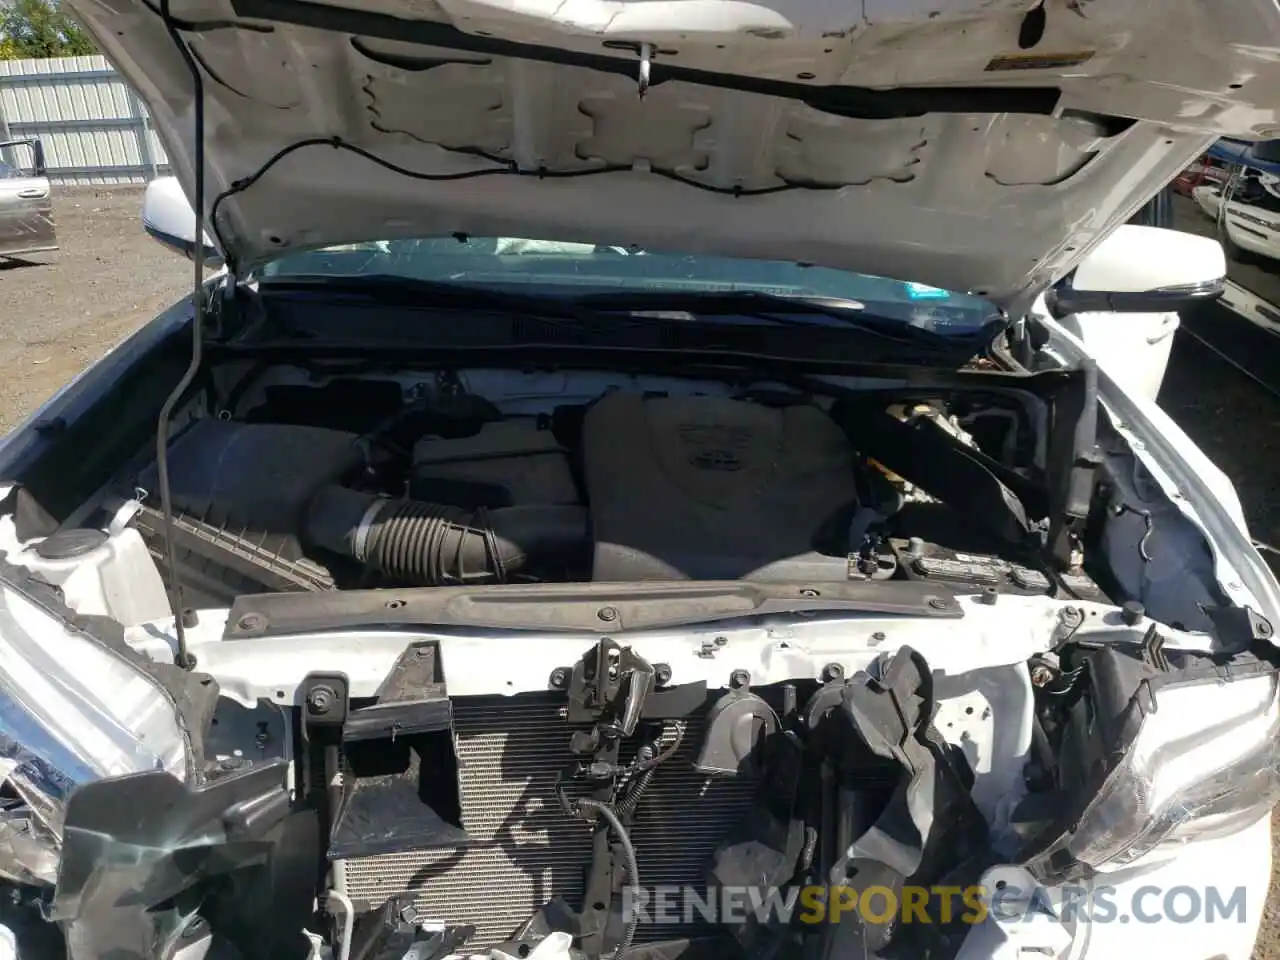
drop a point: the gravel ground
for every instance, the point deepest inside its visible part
(63, 310)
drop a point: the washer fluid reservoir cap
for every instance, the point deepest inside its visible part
(68, 544)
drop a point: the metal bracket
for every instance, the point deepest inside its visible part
(609, 685)
(125, 513)
(325, 701)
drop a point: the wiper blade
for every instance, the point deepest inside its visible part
(782, 310)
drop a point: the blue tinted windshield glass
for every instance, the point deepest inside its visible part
(569, 269)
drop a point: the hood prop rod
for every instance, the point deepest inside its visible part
(181, 656)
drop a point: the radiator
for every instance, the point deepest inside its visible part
(524, 849)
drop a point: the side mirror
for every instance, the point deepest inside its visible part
(1143, 270)
(167, 216)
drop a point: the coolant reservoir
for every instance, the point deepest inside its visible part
(100, 573)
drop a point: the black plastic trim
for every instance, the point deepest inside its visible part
(856, 102)
(1065, 300)
(575, 607)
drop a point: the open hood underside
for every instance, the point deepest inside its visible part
(978, 145)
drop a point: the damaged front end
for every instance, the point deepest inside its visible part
(115, 823)
(74, 710)
(606, 806)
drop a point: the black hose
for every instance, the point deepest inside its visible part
(647, 762)
(639, 784)
(633, 869)
(435, 544)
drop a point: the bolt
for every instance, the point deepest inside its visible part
(809, 592)
(231, 763)
(394, 604)
(251, 622)
(1071, 617)
(559, 678)
(877, 637)
(739, 679)
(1132, 613)
(1264, 628)
(1041, 675)
(662, 673)
(721, 641)
(937, 603)
(989, 596)
(832, 671)
(320, 700)
(607, 614)
(189, 618)
(915, 546)
(187, 660)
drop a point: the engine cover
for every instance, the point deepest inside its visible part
(709, 488)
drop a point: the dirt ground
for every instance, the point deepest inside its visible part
(61, 311)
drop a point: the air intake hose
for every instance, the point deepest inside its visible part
(435, 544)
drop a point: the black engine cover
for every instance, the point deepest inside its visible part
(709, 488)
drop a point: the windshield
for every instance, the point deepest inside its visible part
(571, 269)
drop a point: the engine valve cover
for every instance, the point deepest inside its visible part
(708, 488)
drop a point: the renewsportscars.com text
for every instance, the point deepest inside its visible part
(939, 904)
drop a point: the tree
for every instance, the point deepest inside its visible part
(39, 29)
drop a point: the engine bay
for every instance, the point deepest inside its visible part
(498, 476)
(881, 723)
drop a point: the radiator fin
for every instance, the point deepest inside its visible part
(526, 850)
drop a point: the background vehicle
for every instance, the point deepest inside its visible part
(26, 204)
(1208, 170)
(1249, 217)
(1208, 196)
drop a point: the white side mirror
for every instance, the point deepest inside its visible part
(1143, 270)
(168, 217)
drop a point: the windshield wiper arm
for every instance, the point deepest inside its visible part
(782, 310)
(611, 307)
(434, 294)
